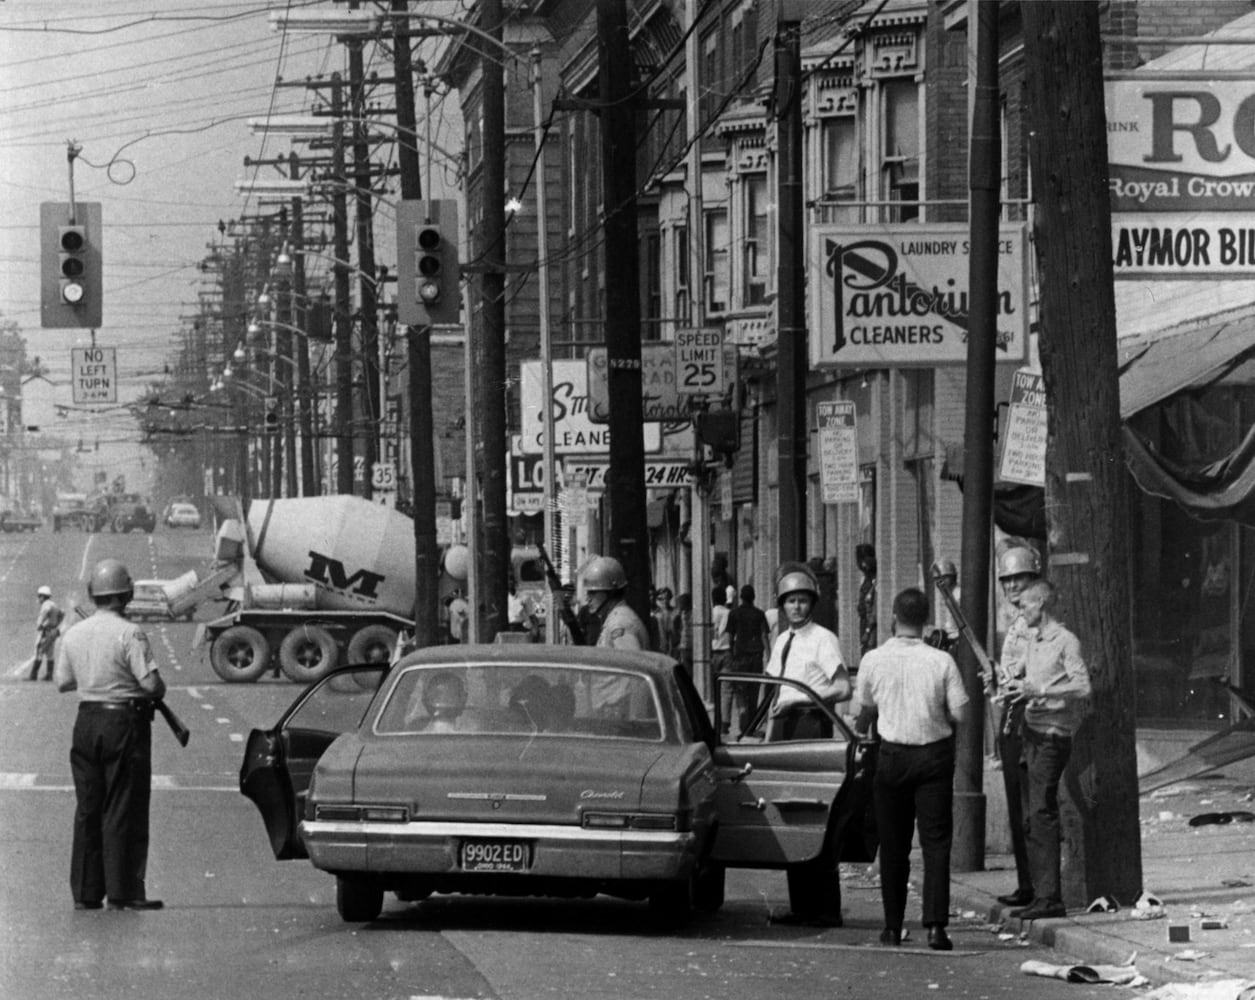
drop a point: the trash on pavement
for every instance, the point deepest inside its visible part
(1148, 907)
(1213, 924)
(1218, 989)
(1103, 904)
(1178, 933)
(1189, 955)
(1121, 975)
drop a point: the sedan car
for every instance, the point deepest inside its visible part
(554, 770)
(182, 515)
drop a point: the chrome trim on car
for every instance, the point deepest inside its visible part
(312, 829)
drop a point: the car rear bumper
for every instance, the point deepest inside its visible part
(433, 848)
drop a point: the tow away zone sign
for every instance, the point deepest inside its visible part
(95, 374)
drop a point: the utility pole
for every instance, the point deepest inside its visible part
(490, 372)
(343, 313)
(1087, 505)
(368, 298)
(418, 350)
(305, 390)
(627, 526)
(984, 177)
(791, 352)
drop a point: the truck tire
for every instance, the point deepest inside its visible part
(308, 653)
(240, 654)
(372, 644)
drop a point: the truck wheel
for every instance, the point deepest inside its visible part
(308, 653)
(240, 654)
(372, 644)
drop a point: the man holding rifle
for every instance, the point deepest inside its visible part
(107, 659)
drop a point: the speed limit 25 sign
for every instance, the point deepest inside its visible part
(699, 366)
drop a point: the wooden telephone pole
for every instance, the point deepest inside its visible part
(1086, 500)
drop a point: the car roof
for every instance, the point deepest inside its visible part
(541, 655)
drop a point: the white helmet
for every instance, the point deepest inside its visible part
(44, 591)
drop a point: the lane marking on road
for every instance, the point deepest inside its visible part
(222, 721)
(236, 737)
(32, 782)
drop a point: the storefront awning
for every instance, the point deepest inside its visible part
(1155, 367)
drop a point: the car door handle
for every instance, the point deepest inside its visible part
(759, 805)
(799, 803)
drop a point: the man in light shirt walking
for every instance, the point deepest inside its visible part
(914, 694)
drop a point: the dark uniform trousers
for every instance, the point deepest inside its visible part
(1011, 753)
(915, 784)
(111, 761)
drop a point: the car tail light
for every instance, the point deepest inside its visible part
(631, 821)
(370, 814)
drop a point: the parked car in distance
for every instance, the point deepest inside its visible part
(182, 515)
(552, 770)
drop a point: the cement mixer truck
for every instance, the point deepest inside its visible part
(321, 581)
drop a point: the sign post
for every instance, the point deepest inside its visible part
(838, 452)
(95, 374)
(699, 362)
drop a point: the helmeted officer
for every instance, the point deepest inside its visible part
(1018, 566)
(47, 629)
(107, 659)
(605, 583)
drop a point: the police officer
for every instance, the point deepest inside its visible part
(47, 628)
(108, 661)
(619, 627)
(1018, 566)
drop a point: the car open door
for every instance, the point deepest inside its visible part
(278, 762)
(778, 799)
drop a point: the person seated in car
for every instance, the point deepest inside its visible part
(444, 699)
(532, 701)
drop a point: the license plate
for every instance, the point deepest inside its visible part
(494, 856)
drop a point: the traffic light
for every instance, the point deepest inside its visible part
(272, 415)
(428, 271)
(719, 430)
(70, 279)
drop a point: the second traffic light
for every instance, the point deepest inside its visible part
(70, 278)
(428, 271)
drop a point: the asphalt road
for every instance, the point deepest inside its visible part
(238, 924)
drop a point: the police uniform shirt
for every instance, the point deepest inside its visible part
(623, 629)
(915, 688)
(106, 656)
(1015, 647)
(814, 659)
(46, 623)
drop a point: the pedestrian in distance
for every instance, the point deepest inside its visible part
(747, 626)
(459, 617)
(914, 695)
(47, 629)
(664, 615)
(865, 558)
(1018, 566)
(803, 651)
(1055, 687)
(682, 632)
(720, 640)
(108, 661)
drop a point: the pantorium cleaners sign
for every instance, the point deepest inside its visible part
(892, 296)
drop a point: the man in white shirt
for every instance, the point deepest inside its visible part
(807, 652)
(914, 694)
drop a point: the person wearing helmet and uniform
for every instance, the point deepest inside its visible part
(619, 627)
(107, 660)
(803, 651)
(47, 628)
(1018, 566)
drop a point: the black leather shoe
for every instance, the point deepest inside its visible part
(891, 936)
(135, 904)
(87, 904)
(1041, 909)
(1021, 897)
(938, 939)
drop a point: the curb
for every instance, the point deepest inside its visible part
(1087, 945)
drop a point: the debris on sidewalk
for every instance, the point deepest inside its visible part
(1120, 975)
(1218, 989)
(1148, 907)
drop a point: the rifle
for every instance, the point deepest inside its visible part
(181, 732)
(944, 575)
(561, 597)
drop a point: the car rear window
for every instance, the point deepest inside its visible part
(510, 699)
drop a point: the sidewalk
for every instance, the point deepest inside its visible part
(1203, 873)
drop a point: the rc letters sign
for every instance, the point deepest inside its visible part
(896, 296)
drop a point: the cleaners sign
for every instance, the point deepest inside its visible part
(894, 296)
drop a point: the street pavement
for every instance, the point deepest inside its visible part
(1201, 940)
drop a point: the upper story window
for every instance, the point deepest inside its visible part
(900, 159)
(718, 275)
(757, 245)
(711, 96)
(840, 158)
(680, 249)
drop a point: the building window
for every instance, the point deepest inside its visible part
(652, 257)
(710, 96)
(756, 240)
(917, 421)
(717, 273)
(682, 292)
(840, 159)
(900, 165)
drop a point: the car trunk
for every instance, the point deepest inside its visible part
(504, 779)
